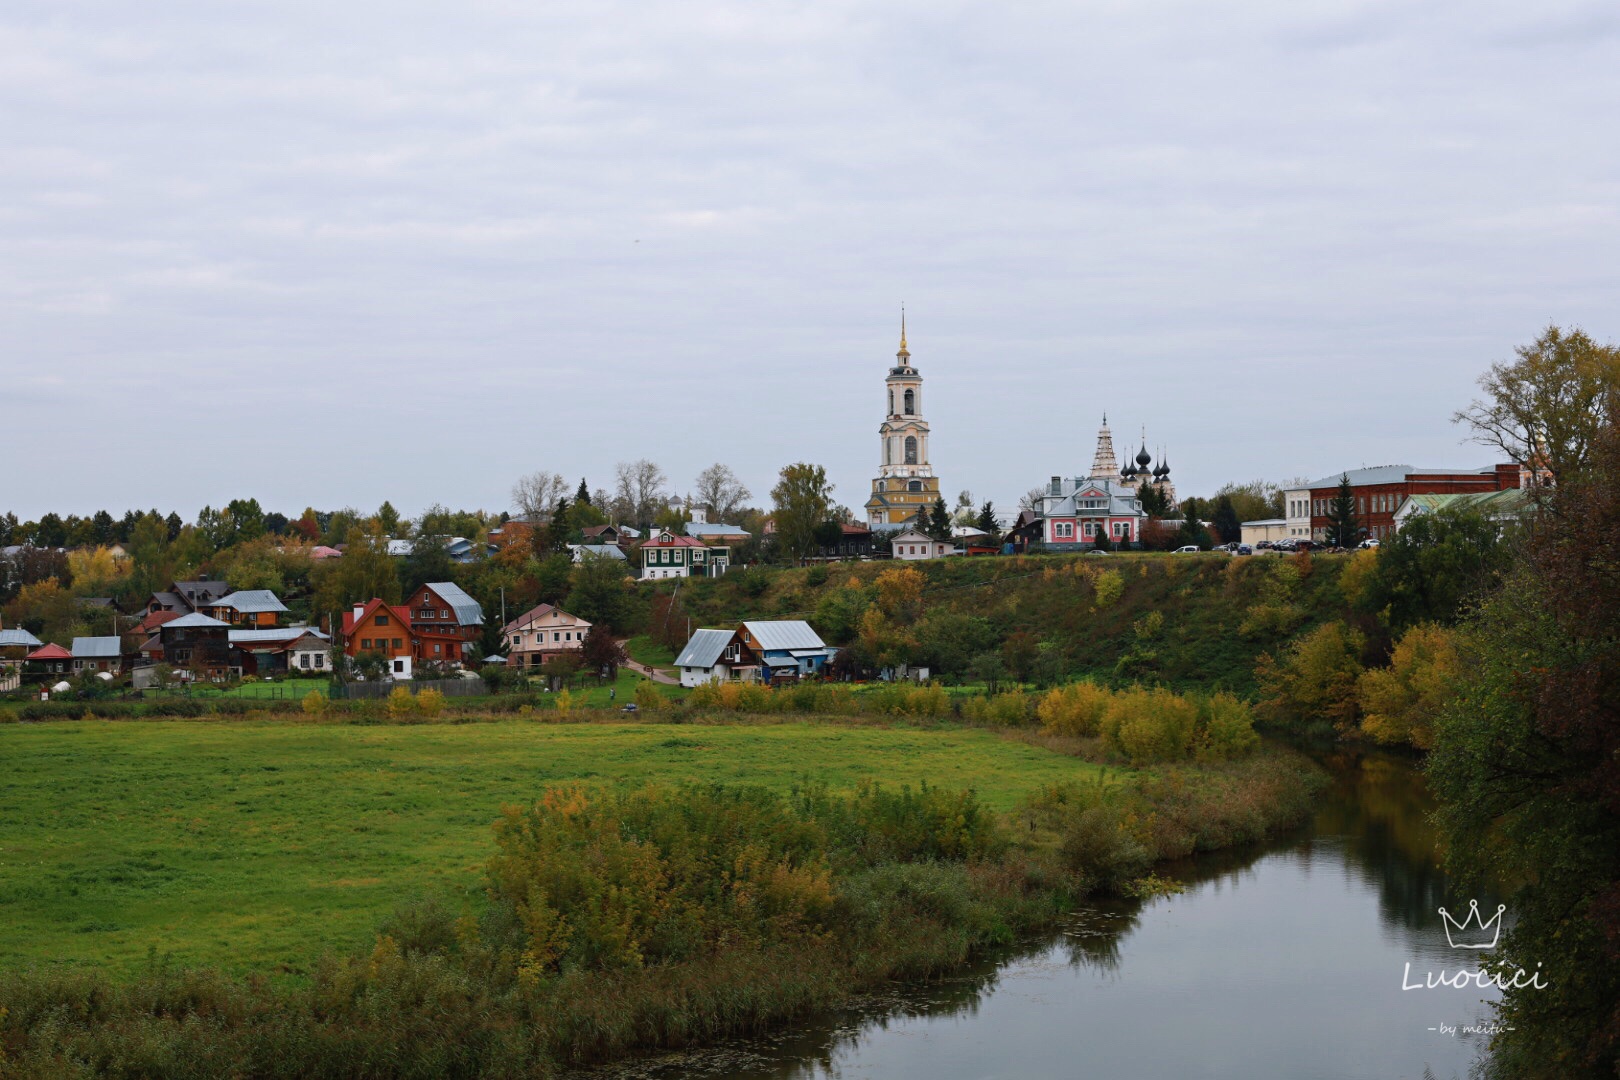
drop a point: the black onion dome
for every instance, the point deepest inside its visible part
(1143, 458)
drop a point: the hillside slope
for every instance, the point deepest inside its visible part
(1186, 621)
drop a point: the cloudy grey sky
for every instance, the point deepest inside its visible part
(330, 254)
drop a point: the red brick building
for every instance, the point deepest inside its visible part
(1380, 491)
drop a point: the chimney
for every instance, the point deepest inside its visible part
(359, 610)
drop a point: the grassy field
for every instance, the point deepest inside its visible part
(258, 845)
(644, 650)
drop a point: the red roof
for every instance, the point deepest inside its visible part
(399, 613)
(154, 620)
(49, 652)
(669, 540)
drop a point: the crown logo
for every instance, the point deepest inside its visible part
(1472, 931)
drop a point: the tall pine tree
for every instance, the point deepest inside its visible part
(1343, 529)
(939, 520)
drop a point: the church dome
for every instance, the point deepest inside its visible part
(1143, 458)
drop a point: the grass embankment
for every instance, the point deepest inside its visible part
(257, 845)
(1207, 639)
(612, 918)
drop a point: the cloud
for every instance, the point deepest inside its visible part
(1283, 238)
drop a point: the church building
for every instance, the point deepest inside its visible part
(905, 482)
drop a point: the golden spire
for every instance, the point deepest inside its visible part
(903, 350)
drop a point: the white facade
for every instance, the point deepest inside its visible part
(309, 655)
(1297, 512)
(913, 546)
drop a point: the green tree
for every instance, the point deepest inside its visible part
(1226, 520)
(1253, 500)
(246, 519)
(1525, 768)
(365, 572)
(1343, 529)
(583, 495)
(106, 530)
(50, 532)
(1434, 566)
(802, 500)
(429, 560)
(986, 521)
(1153, 501)
(173, 524)
(553, 576)
(388, 519)
(1548, 407)
(598, 592)
(939, 520)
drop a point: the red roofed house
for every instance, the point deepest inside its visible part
(376, 627)
(49, 660)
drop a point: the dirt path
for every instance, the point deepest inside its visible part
(652, 673)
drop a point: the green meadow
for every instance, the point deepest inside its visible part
(259, 845)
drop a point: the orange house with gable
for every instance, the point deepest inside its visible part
(377, 627)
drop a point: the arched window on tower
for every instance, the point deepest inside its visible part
(911, 447)
(914, 485)
(911, 402)
(891, 402)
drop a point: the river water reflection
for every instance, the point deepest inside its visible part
(1286, 961)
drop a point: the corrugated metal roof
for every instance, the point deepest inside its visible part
(784, 634)
(400, 547)
(251, 601)
(18, 636)
(274, 634)
(95, 648)
(704, 648)
(601, 551)
(468, 612)
(193, 621)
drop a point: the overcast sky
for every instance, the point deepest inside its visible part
(331, 254)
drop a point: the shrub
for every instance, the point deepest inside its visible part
(564, 702)
(314, 704)
(1074, 709)
(1226, 725)
(1402, 701)
(400, 703)
(430, 702)
(1314, 681)
(648, 697)
(1109, 586)
(1149, 725)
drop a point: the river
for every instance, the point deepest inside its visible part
(1283, 961)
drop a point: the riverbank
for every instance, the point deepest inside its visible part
(620, 919)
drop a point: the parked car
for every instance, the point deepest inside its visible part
(1243, 549)
(1187, 549)
(1368, 544)
(1096, 551)
(1264, 545)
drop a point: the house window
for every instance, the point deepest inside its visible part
(303, 661)
(399, 666)
(320, 661)
(427, 613)
(365, 643)
(914, 485)
(397, 643)
(382, 620)
(444, 614)
(437, 649)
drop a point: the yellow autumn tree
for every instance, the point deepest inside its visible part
(1400, 702)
